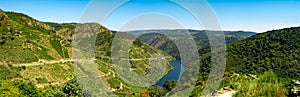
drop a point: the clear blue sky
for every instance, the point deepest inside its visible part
(250, 15)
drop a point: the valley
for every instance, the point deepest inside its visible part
(36, 59)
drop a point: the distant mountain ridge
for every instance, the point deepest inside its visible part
(153, 38)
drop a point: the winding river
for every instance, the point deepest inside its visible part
(174, 74)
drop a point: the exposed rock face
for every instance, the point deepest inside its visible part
(224, 92)
(296, 82)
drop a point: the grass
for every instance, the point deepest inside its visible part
(267, 85)
(18, 55)
(9, 72)
(57, 46)
(51, 73)
(62, 51)
(41, 80)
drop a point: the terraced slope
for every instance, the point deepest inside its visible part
(40, 52)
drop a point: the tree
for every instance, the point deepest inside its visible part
(169, 84)
(7, 89)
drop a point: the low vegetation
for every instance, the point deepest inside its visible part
(266, 85)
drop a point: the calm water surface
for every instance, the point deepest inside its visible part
(174, 74)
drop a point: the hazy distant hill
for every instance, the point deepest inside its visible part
(164, 43)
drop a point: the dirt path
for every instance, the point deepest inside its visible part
(42, 62)
(226, 94)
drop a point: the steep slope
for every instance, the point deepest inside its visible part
(277, 50)
(45, 48)
(273, 51)
(25, 40)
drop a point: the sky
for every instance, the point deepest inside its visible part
(247, 15)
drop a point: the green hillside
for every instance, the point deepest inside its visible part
(25, 40)
(273, 51)
(38, 54)
(277, 50)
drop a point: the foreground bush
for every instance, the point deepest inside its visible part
(266, 85)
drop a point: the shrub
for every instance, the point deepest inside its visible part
(41, 80)
(266, 85)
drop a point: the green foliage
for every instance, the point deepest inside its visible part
(277, 50)
(266, 85)
(169, 84)
(17, 55)
(9, 72)
(274, 50)
(157, 91)
(28, 89)
(42, 53)
(69, 89)
(18, 88)
(49, 73)
(58, 47)
(41, 80)
(7, 89)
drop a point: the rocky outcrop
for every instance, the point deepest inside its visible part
(295, 90)
(224, 92)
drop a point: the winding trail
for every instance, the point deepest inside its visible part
(43, 62)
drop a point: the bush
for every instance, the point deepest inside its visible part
(170, 84)
(266, 85)
(18, 88)
(41, 80)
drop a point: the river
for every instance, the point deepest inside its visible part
(174, 74)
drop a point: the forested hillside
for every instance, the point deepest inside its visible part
(277, 50)
(273, 54)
